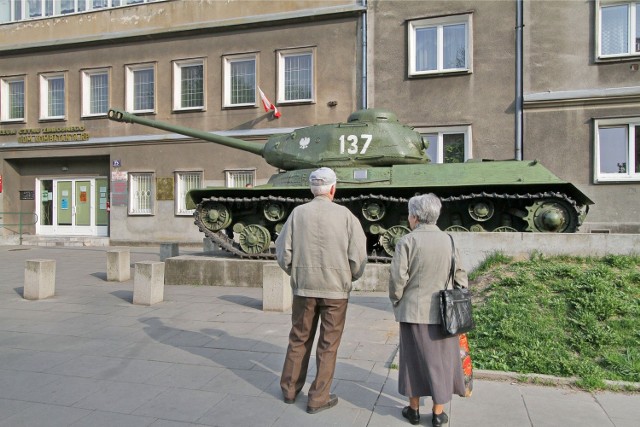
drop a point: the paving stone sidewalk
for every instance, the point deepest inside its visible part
(210, 356)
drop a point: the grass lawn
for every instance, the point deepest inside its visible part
(562, 316)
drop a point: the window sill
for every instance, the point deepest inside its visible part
(618, 180)
(439, 74)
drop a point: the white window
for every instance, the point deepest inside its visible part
(448, 145)
(617, 150)
(141, 88)
(186, 181)
(12, 102)
(240, 177)
(141, 193)
(95, 92)
(52, 96)
(240, 80)
(440, 45)
(296, 76)
(619, 29)
(188, 84)
(18, 10)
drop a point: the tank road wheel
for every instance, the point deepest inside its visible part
(504, 229)
(481, 210)
(254, 239)
(455, 228)
(373, 210)
(551, 216)
(215, 216)
(392, 236)
(274, 211)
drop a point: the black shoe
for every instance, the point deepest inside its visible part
(439, 419)
(333, 401)
(413, 415)
(290, 400)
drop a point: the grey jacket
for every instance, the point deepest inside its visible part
(323, 248)
(419, 269)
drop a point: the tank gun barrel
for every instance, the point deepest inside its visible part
(124, 117)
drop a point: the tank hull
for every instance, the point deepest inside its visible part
(477, 196)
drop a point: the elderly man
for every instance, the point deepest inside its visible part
(323, 248)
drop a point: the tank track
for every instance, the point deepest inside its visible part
(229, 245)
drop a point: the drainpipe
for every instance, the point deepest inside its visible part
(519, 78)
(364, 55)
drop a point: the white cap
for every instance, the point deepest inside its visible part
(322, 176)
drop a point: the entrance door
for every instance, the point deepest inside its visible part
(72, 207)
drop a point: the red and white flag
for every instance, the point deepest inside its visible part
(268, 105)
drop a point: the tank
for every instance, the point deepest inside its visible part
(380, 163)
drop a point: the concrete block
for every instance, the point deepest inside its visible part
(118, 265)
(148, 283)
(276, 290)
(39, 279)
(375, 278)
(169, 250)
(208, 245)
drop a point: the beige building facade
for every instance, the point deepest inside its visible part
(451, 69)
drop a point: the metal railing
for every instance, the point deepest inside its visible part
(22, 221)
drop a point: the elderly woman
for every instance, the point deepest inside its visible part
(429, 361)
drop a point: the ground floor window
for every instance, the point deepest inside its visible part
(240, 177)
(617, 150)
(141, 193)
(448, 145)
(186, 181)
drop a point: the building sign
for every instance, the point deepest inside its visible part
(27, 195)
(48, 134)
(119, 193)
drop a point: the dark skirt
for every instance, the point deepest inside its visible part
(430, 363)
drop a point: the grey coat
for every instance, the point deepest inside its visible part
(419, 269)
(323, 248)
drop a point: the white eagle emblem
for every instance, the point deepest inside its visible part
(304, 142)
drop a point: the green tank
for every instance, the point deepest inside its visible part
(380, 163)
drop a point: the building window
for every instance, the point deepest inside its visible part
(52, 96)
(12, 102)
(617, 150)
(296, 76)
(240, 177)
(18, 10)
(440, 45)
(448, 145)
(141, 88)
(240, 80)
(619, 29)
(188, 85)
(141, 193)
(186, 181)
(95, 92)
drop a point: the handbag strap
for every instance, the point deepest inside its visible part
(452, 271)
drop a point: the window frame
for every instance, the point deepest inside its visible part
(227, 61)
(177, 67)
(18, 14)
(133, 209)
(86, 90)
(6, 105)
(609, 177)
(448, 130)
(439, 23)
(282, 55)
(229, 177)
(130, 71)
(180, 199)
(632, 27)
(45, 79)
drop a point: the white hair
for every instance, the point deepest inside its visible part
(425, 208)
(319, 190)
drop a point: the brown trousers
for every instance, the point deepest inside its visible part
(304, 321)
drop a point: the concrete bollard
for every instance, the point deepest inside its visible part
(118, 265)
(148, 283)
(276, 290)
(168, 250)
(39, 279)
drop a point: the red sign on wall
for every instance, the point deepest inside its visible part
(0, 183)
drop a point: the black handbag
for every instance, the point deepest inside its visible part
(455, 304)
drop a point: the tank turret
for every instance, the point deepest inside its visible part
(380, 163)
